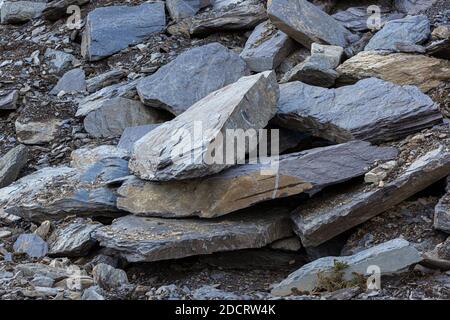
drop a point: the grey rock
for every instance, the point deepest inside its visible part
(108, 277)
(73, 240)
(244, 16)
(111, 29)
(288, 244)
(392, 257)
(442, 211)
(105, 79)
(92, 293)
(357, 111)
(73, 81)
(42, 270)
(222, 4)
(57, 9)
(300, 19)
(42, 281)
(439, 48)
(207, 292)
(179, 9)
(44, 229)
(87, 156)
(31, 244)
(246, 104)
(13, 12)
(132, 134)
(114, 115)
(324, 218)
(53, 193)
(8, 100)
(356, 18)
(139, 239)
(11, 164)
(413, 7)
(36, 132)
(307, 171)
(191, 76)
(266, 48)
(59, 61)
(396, 34)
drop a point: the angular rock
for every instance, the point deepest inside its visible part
(442, 211)
(92, 294)
(372, 109)
(166, 152)
(53, 193)
(8, 100)
(245, 16)
(179, 9)
(266, 48)
(44, 229)
(87, 156)
(13, 12)
(41, 281)
(391, 257)
(108, 277)
(356, 18)
(132, 134)
(111, 29)
(324, 218)
(59, 61)
(43, 270)
(400, 68)
(11, 164)
(139, 239)
(114, 115)
(105, 79)
(36, 132)
(306, 23)
(408, 31)
(211, 293)
(288, 244)
(31, 244)
(413, 7)
(57, 9)
(190, 77)
(73, 240)
(73, 81)
(306, 171)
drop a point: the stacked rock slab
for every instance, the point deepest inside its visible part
(185, 146)
(245, 185)
(372, 109)
(141, 239)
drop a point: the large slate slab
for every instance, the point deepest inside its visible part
(391, 257)
(400, 33)
(140, 239)
(176, 150)
(372, 109)
(11, 164)
(266, 48)
(87, 156)
(306, 23)
(324, 218)
(73, 81)
(243, 186)
(111, 29)
(400, 68)
(15, 12)
(55, 192)
(191, 76)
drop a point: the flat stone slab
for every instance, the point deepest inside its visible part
(191, 76)
(243, 186)
(306, 23)
(391, 257)
(179, 9)
(111, 29)
(175, 150)
(266, 48)
(413, 7)
(105, 79)
(400, 68)
(324, 218)
(11, 164)
(140, 239)
(372, 109)
(132, 134)
(55, 192)
(73, 81)
(87, 156)
(15, 12)
(408, 31)
(36, 132)
(31, 244)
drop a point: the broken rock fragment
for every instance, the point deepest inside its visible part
(191, 76)
(306, 171)
(413, 7)
(391, 257)
(140, 239)
(8, 100)
(57, 9)
(73, 81)
(442, 211)
(11, 164)
(87, 156)
(184, 147)
(372, 109)
(132, 134)
(14, 12)
(31, 244)
(36, 132)
(179, 9)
